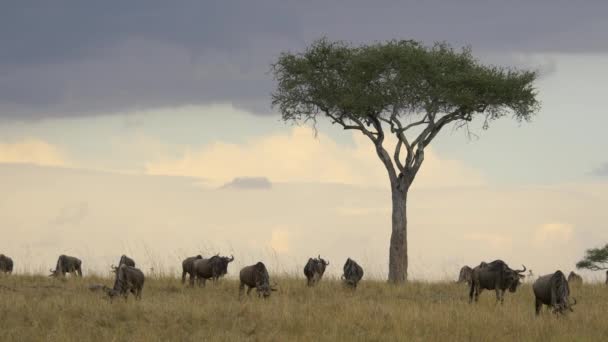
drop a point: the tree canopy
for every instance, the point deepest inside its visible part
(394, 79)
(596, 259)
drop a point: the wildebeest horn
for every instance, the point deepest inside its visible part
(231, 258)
(521, 271)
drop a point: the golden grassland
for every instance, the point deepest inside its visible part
(38, 308)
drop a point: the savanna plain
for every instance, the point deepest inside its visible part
(38, 308)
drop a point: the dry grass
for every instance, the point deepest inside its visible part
(35, 308)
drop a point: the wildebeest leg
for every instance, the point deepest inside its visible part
(471, 292)
(204, 282)
(79, 272)
(537, 306)
(184, 277)
(191, 278)
(249, 290)
(477, 291)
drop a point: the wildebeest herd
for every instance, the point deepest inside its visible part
(552, 290)
(128, 278)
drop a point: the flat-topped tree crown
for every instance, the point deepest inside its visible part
(399, 87)
(596, 259)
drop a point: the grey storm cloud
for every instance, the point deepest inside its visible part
(601, 171)
(66, 58)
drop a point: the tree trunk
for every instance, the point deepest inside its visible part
(397, 265)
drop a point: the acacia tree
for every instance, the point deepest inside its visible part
(403, 88)
(596, 259)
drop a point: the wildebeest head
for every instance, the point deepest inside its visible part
(465, 275)
(110, 292)
(223, 264)
(513, 278)
(352, 273)
(262, 281)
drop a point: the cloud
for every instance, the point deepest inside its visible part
(68, 58)
(554, 233)
(601, 171)
(279, 241)
(32, 151)
(72, 214)
(249, 183)
(297, 156)
(492, 240)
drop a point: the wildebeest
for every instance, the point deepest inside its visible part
(465, 275)
(187, 267)
(212, 268)
(128, 279)
(67, 264)
(125, 260)
(6, 264)
(574, 278)
(352, 273)
(496, 276)
(314, 270)
(553, 290)
(255, 276)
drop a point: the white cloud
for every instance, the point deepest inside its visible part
(32, 151)
(279, 241)
(554, 233)
(298, 156)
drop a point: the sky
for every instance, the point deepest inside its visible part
(146, 128)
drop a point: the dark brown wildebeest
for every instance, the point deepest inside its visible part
(575, 279)
(212, 268)
(125, 260)
(465, 275)
(496, 276)
(6, 264)
(314, 270)
(553, 290)
(128, 279)
(187, 268)
(255, 276)
(67, 264)
(352, 273)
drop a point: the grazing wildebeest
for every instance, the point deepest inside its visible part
(352, 273)
(67, 264)
(255, 276)
(465, 275)
(6, 264)
(187, 268)
(314, 270)
(553, 290)
(574, 278)
(128, 279)
(496, 276)
(212, 268)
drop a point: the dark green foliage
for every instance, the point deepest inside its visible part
(338, 79)
(595, 259)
